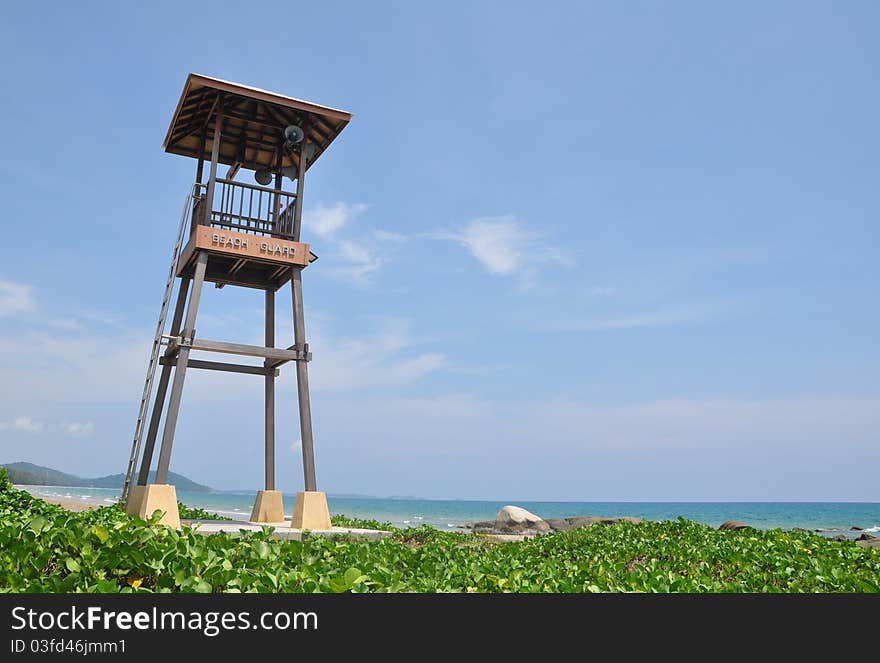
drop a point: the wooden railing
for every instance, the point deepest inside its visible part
(247, 208)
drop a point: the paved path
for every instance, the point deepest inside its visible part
(283, 530)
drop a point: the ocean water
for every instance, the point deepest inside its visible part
(830, 517)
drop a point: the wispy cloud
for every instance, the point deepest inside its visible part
(388, 236)
(353, 256)
(505, 247)
(738, 426)
(326, 220)
(670, 316)
(387, 356)
(652, 450)
(23, 424)
(77, 429)
(659, 319)
(15, 298)
(498, 243)
(359, 261)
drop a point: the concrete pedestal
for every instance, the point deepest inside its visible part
(135, 498)
(268, 507)
(310, 511)
(144, 500)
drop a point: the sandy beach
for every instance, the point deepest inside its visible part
(69, 504)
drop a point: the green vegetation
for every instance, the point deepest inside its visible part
(44, 548)
(195, 513)
(340, 520)
(28, 474)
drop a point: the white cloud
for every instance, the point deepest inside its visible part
(388, 236)
(662, 319)
(24, 424)
(352, 258)
(571, 448)
(498, 243)
(725, 426)
(381, 358)
(669, 317)
(359, 262)
(326, 220)
(505, 247)
(15, 298)
(77, 429)
(92, 365)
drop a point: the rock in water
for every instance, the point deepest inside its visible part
(866, 537)
(870, 542)
(634, 520)
(573, 522)
(558, 524)
(855, 528)
(515, 519)
(733, 525)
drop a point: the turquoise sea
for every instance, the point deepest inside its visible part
(831, 518)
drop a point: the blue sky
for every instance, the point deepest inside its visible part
(596, 251)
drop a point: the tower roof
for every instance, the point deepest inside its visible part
(253, 123)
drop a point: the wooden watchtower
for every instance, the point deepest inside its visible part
(239, 234)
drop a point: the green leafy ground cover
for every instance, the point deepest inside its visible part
(44, 548)
(195, 513)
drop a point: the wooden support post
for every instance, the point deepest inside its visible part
(200, 168)
(215, 156)
(276, 199)
(300, 183)
(302, 382)
(299, 336)
(180, 369)
(161, 390)
(270, 392)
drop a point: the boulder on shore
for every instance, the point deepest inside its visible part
(565, 524)
(516, 520)
(868, 541)
(733, 525)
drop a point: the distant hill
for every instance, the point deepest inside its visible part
(36, 475)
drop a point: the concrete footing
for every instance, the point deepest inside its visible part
(268, 507)
(135, 498)
(310, 511)
(144, 500)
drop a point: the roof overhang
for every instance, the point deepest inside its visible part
(253, 124)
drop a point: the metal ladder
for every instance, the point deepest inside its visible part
(154, 355)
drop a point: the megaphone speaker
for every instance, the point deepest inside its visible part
(293, 134)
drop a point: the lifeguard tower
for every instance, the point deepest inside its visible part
(234, 233)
